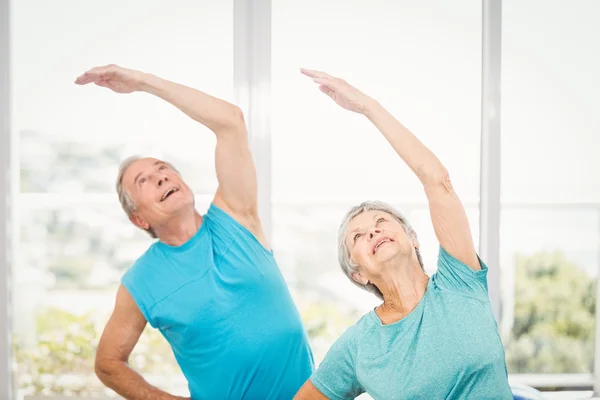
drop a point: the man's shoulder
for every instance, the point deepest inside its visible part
(144, 264)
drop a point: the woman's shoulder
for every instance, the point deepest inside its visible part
(361, 328)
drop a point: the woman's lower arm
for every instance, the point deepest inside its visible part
(413, 152)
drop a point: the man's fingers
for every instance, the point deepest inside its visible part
(103, 69)
(329, 82)
(83, 80)
(314, 74)
(96, 73)
(91, 77)
(87, 77)
(326, 89)
(102, 83)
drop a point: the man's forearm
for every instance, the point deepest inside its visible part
(216, 114)
(118, 376)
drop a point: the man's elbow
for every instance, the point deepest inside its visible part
(234, 126)
(105, 369)
(101, 369)
(237, 115)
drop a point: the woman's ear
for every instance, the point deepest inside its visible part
(415, 242)
(359, 278)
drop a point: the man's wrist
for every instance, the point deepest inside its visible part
(148, 83)
(370, 106)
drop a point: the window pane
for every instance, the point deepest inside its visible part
(71, 259)
(422, 61)
(54, 164)
(549, 263)
(191, 44)
(550, 190)
(74, 240)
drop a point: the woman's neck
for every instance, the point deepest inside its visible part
(402, 292)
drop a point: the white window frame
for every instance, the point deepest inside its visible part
(5, 213)
(489, 187)
(252, 88)
(490, 196)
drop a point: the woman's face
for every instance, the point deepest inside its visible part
(375, 238)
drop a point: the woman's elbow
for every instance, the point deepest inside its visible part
(436, 177)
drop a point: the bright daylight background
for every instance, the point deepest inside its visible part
(422, 60)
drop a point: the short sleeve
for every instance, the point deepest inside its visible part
(456, 276)
(336, 375)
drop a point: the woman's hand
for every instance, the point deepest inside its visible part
(339, 90)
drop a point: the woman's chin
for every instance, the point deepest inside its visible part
(393, 255)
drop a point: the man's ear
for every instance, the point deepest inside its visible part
(139, 222)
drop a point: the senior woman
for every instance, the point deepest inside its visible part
(432, 337)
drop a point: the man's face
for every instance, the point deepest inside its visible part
(158, 191)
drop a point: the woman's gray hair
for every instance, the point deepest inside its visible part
(344, 253)
(125, 198)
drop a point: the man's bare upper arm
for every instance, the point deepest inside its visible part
(122, 331)
(236, 172)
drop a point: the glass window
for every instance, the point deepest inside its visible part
(550, 192)
(75, 242)
(422, 61)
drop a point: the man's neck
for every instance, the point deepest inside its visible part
(180, 229)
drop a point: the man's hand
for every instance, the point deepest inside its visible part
(344, 94)
(117, 79)
(236, 173)
(119, 337)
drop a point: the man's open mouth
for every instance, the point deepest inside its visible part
(168, 193)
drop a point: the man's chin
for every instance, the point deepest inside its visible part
(179, 207)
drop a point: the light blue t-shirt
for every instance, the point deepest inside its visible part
(448, 347)
(222, 304)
